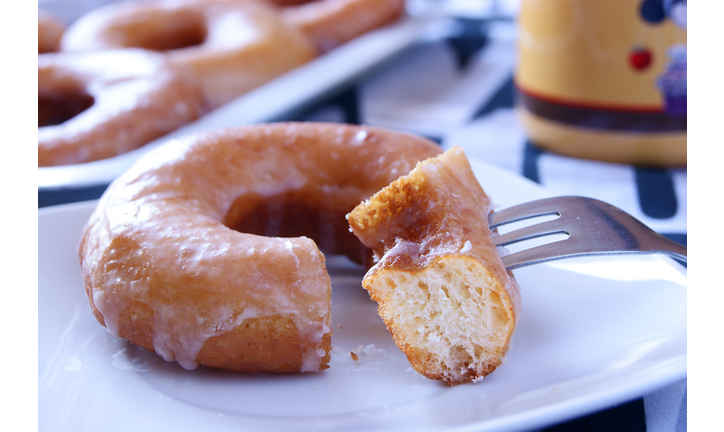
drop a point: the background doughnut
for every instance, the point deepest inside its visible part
(330, 23)
(93, 106)
(289, 2)
(50, 29)
(233, 46)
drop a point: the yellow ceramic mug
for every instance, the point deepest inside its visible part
(605, 79)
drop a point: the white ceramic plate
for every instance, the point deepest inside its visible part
(274, 101)
(593, 333)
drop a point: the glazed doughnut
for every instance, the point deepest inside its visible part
(50, 29)
(330, 23)
(232, 45)
(195, 254)
(289, 2)
(440, 284)
(93, 106)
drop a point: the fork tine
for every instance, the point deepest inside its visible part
(535, 255)
(593, 228)
(541, 207)
(556, 226)
(549, 252)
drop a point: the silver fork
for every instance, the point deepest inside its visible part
(593, 228)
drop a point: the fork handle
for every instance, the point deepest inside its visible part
(673, 249)
(541, 254)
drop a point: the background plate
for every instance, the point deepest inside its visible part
(593, 333)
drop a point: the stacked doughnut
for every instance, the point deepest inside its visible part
(50, 29)
(99, 105)
(223, 47)
(96, 105)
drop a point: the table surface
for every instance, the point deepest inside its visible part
(458, 90)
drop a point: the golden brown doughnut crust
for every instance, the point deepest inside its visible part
(50, 29)
(441, 286)
(163, 269)
(289, 2)
(330, 23)
(232, 46)
(93, 106)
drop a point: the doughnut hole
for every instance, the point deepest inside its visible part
(58, 108)
(293, 215)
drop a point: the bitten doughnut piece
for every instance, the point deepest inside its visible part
(208, 251)
(441, 286)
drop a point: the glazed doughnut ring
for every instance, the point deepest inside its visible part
(194, 252)
(50, 29)
(93, 106)
(232, 45)
(330, 23)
